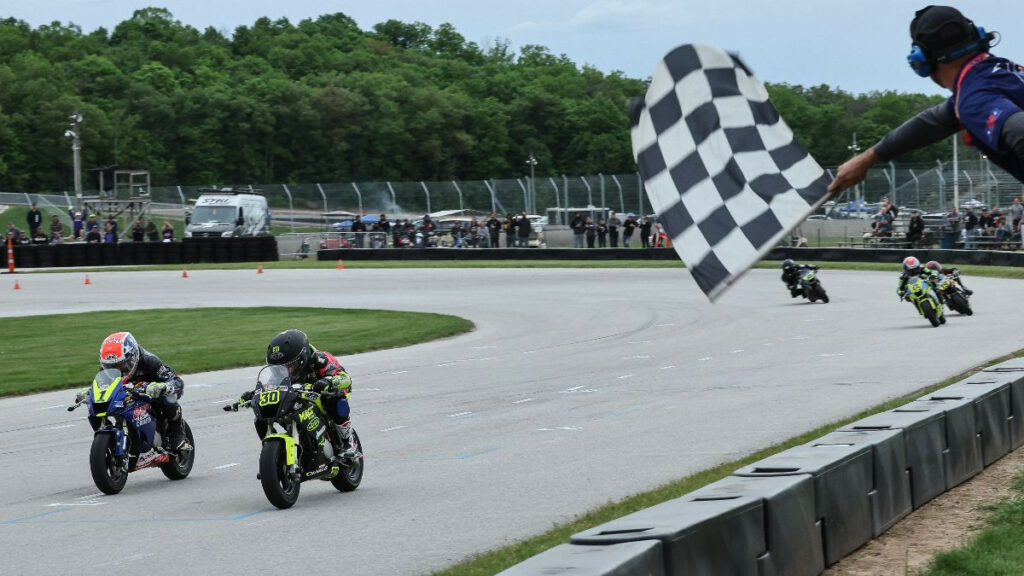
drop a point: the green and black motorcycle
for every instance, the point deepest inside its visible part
(297, 440)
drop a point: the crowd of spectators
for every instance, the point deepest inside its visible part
(599, 234)
(84, 228)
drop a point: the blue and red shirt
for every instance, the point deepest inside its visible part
(989, 90)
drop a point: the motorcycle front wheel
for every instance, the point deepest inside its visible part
(281, 489)
(181, 464)
(108, 471)
(929, 312)
(350, 476)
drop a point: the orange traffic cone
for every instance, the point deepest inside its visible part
(341, 265)
(184, 273)
(260, 269)
(87, 281)
(16, 285)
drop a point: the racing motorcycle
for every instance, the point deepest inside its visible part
(128, 437)
(296, 447)
(951, 292)
(812, 288)
(920, 293)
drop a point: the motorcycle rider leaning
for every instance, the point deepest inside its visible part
(120, 351)
(936, 272)
(320, 372)
(791, 273)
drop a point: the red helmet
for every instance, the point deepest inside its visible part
(933, 265)
(120, 351)
(911, 266)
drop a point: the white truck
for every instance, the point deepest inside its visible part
(228, 213)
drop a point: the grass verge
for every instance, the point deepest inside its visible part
(59, 351)
(997, 549)
(494, 561)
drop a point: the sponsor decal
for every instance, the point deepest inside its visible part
(306, 414)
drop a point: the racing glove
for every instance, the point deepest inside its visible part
(81, 395)
(156, 389)
(322, 385)
(246, 396)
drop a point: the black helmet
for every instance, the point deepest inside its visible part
(943, 34)
(788, 264)
(289, 348)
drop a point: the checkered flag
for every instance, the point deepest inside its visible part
(722, 169)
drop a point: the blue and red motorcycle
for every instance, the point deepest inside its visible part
(128, 437)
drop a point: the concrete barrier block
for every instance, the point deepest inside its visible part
(963, 438)
(792, 533)
(924, 435)
(843, 479)
(890, 493)
(1012, 372)
(700, 537)
(991, 397)
(643, 558)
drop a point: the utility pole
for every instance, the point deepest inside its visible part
(855, 149)
(532, 161)
(76, 149)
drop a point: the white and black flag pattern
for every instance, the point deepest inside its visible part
(722, 169)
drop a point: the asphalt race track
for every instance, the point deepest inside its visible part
(578, 387)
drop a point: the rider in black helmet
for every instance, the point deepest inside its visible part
(321, 372)
(791, 272)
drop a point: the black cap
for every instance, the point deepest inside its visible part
(940, 29)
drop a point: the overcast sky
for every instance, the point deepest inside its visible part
(856, 45)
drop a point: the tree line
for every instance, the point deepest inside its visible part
(323, 100)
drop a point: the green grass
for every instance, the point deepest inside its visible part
(59, 351)
(494, 561)
(19, 215)
(997, 550)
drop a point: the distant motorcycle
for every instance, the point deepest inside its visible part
(811, 286)
(920, 293)
(955, 297)
(127, 437)
(296, 446)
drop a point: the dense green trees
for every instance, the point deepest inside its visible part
(322, 100)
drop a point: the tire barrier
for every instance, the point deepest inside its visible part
(188, 251)
(802, 509)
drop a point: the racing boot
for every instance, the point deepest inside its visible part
(176, 440)
(348, 448)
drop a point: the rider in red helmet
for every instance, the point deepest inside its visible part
(120, 351)
(911, 269)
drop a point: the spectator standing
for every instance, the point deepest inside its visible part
(628, 227)
(613, 229)
(77, 224)
(93, 236)
(384, 226)
(1016, 211)
(167, 232)
(645, 233)
(473, 237)
(591, 231)
(602, 234)
(951, 228)
(56, 230)
(510, 231)
(970, 226)
(152, 234)
(457, 234)
(915, 228)
(35, 220)
(359, 230)
(138, 232)
(113, 226)
(109, 237)
(494, 229)
(188, 216)
(524, 231)
(579, 227)
(91, 224)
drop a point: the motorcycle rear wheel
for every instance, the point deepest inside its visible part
(181, 463)
(108, 471)
(959, 303)
(350, 476)
(281, 489)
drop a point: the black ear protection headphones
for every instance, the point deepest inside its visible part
(923, 59)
